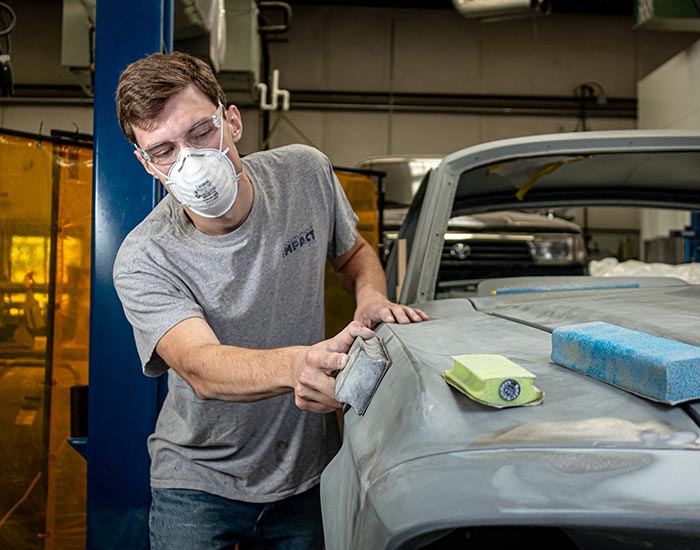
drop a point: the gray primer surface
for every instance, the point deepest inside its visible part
(425, 457)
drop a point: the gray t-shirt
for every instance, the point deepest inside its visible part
(260, 286)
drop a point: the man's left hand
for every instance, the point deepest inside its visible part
(372, 313)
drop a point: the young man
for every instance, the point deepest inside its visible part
(223, 285)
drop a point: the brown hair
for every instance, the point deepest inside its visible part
(147, 84)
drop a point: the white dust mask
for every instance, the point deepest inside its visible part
(204, 180)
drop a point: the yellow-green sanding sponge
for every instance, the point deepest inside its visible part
(493, 380)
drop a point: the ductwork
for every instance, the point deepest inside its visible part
(668, 15)
(496, 8)
(199, 28)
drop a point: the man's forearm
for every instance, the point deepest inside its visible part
(361, 274)
(231, 373)
(370, 285)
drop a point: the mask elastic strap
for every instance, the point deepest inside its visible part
(222, 119)
(165, 176)
(150, 162)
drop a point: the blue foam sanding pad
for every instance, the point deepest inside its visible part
(656, 368)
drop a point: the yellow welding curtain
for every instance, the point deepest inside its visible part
(361, 191)
(45, 225)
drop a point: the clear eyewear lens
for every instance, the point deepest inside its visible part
(202, 136)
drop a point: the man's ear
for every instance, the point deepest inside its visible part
(233, 117)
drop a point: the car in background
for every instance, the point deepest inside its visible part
(482, 245)
(593, 465)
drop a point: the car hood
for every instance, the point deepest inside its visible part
(514, 221)
(585, 455)
(577, 411)
(511, 221)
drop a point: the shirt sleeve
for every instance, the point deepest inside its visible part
(153, 304)
(344, 220)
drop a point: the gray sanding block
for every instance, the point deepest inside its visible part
(366, 366)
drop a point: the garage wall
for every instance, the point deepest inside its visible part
(407, 50)
(41, 118)
(669, 97)
(364, 49)
(438, 51)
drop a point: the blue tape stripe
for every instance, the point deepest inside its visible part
(523, 290)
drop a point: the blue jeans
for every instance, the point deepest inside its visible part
(193, 520)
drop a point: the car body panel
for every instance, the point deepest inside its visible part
(668, 311)
(601, 466)
(422, 451)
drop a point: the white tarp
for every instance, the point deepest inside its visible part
(608, 267)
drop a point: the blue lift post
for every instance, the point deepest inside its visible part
(693, 243)
(691, 234)
(123, 403)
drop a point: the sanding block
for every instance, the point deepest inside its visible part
(366, 366)
(493, 380)
(657, 368)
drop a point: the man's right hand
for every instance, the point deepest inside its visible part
(314, 376)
